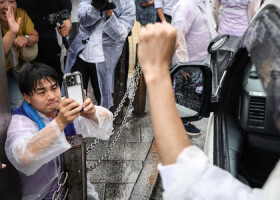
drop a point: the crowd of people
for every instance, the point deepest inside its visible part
(37, 133)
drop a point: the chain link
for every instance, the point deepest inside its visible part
(136, 79)
(62, 192)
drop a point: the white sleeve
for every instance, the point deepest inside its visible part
(158, 4)
(118, 27)
(28, 149)
(102, 129)
(253, 8)
(193, 178)
(216, 11)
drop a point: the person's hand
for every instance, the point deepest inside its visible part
(148, 4)
(157, 43)
(13, 24)
(65, 28)
(68, 111)
(2, 166)
(108, 12)
(20, 41)
(89, 110)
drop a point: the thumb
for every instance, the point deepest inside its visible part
(19, 21)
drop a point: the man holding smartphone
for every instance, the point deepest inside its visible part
(36, 134)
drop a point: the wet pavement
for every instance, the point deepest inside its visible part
(130, 169)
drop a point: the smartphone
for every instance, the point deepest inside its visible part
(73, 84)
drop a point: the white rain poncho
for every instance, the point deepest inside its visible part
(35, 154)
(115, 30)
(192, 177)
(195, 29)
(233, 17)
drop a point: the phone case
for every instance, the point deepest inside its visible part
(73, 84)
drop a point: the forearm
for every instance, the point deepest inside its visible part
(101, 127)
(170, 135)
(147, 4)
(33, 38)
(118, 27)
(216, 12)
(161, 14)
(40, 143)
(32, 150)
(88, 15)
(8, 41)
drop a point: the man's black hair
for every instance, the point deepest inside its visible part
(32, 74)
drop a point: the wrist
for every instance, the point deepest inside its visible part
(27, 37)
(11, 34)
(155, 77)
(94, 118)
(61, 125)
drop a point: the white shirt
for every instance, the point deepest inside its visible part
(195, 29)
(166, 5)
(192, 177)
(93, 52)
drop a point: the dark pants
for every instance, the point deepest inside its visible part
(167, 17)
(49, 53)
(88, 71)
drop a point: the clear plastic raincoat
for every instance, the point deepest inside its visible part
(115, 30)
(35, 154)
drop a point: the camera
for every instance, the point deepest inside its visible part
(58, 17)
(102, 5)
(71, 80)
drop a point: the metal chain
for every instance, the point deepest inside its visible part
(62, 192)
(135, 77)
(136, 81)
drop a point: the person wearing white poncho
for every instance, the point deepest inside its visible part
(36, 134)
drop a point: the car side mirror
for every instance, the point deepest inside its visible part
(217, 43)
(192, 89)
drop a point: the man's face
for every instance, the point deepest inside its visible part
(46, 97)
(4, 8)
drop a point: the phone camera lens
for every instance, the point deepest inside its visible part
(71, 80)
